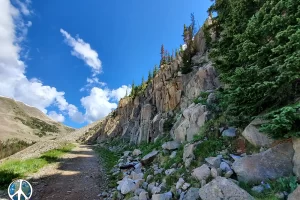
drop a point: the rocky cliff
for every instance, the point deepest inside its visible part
(170, 93)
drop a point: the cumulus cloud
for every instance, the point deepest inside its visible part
(14, 83)
(120, 92)
(97, 104)
(83, 51)
(56, 117)
(92, 82)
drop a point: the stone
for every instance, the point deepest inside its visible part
(155, 190)
(214, 161)
(296, 158)
(134, 198)
(225, 167)
(126, 153)
(230, 132)
(136, 152)
(171, 145)
(201, 173)
(126, 186)
(258, 189)
(271, 164)
(149, 157)
(151, 186)
(203, 182)
(170, 171)
(136, 176)
(165, 196)
(186, 186)
(214, 172)
(179, 183)
(192, 194)
(144, 196)
(173, 154)
(228, 174)
(295, 195)
(211, 98)
(138, 191)
(188, 154)
(255, 137)
(221, 188)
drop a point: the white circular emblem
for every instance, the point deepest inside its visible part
(20, 190)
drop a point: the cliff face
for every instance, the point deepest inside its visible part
(169, 94)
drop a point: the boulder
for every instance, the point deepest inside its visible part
(170, 171)
(173, 154)
(295, 195)
(126, 153)
(192, 194)
(136, 152)
(149, 157)
(271, 164)
(214, 161)
(221, 188)
(201, 173)
(296, 158)
(171, 145)
(188, 154)
(185, 186)
(255, 137)
(143, 196)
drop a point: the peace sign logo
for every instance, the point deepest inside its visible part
(20, 190)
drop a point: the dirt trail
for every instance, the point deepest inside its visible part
(77, 177)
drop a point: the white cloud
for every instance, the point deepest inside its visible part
(120, 92)
(83, 50)
(97, 104)
(56, 117)
(92, 82)
(14, 82)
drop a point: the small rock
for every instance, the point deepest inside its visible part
(143, 196)
(145, 185)
(201, 173)
(188, 154)
(126, 186)
(170, 171)
(171, 145)
(214, 161)
(228, 174)
(258, 189)
(136, 152)
(186, 186)
(179, 183)
(165, 196)
(234, 157)
(225, 167)
(280, 195)
(230, 132)
(155, 190)
(214, 172)
(173, 154)
(149, 157)
(203, 182)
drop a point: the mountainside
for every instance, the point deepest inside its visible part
(20, 121)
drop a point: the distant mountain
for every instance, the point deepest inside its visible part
(23, 122)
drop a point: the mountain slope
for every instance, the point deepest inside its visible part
(18, 120)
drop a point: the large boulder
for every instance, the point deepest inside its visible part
(192, 194)
(271, 164)
(188, 154)
(201, 173)
(296, 158)
(165, 196)
(149, 157)
(126, 185)
(255, 137)
(221, 188)
(295, 195)
(171, 145)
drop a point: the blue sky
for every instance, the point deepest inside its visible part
(79, 57)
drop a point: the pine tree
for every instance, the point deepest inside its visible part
(143, 80)
(155, 70)
(149, 76)
(132, 89)
(162, 54)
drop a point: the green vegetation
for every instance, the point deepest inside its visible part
(168, 124)
(12, 146)
(257, 53)
(202, 98)
(36, 123)
(20, 168)
(287, 184)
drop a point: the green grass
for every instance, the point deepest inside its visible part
(14, 169)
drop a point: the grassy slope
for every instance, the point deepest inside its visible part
(19, 169)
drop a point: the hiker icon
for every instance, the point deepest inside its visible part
(20, 190)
